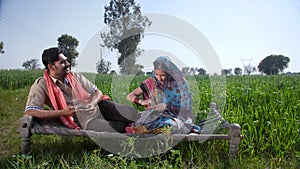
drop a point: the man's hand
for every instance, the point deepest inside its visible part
(43, 114)
(68, 111)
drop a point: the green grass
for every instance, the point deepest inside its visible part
(266, 107)
(12, 104)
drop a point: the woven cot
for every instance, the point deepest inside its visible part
(230, 132)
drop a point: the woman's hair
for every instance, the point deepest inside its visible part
(165, 64)
(50, 55)
(162, 63)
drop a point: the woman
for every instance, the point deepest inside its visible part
(166, 96)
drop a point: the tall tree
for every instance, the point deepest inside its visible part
(69, 44)
(127, 26)
(103, 66)
(273, 64)
(1, 47)
(31, 64)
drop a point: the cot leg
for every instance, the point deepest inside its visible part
(24, 130)
(25, 145)
(235, 133)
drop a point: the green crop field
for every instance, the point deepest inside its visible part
(266, 107)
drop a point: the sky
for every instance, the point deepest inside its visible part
(194, 33)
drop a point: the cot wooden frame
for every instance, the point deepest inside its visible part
(29, 126)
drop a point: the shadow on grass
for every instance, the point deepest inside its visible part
(51, 148)
(53, 145)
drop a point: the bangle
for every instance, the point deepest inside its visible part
(137, 101)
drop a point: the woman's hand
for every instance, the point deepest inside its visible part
(148, 102)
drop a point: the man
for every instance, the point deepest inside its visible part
(70, 95)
